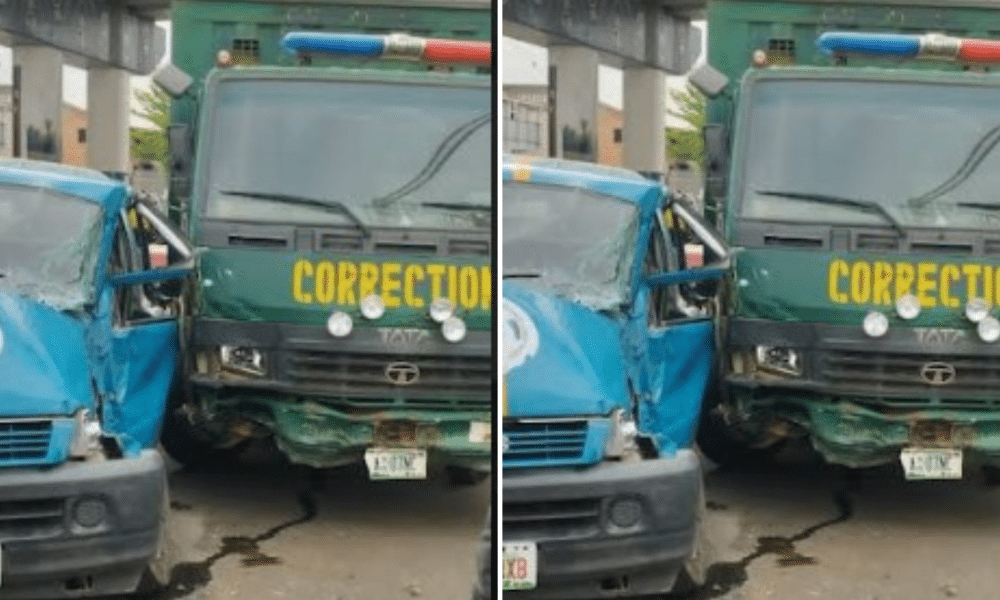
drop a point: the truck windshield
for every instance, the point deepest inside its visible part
(917, 154)
(48, 245)
(390, 155)
(576, 243)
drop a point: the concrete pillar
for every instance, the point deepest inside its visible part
(643, 135)
(38, 101)
(108, 106)
(576, 125)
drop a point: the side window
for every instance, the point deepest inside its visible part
(146, 242)
(659, 259)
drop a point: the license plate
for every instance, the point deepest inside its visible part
(396, 463)
(932, 463)
(520, 566)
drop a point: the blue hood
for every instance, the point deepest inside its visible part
(43, 360)
(561, 359)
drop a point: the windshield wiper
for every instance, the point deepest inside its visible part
(979, 151)
(444, 151)
(330, 205)
(981, 205)
(868, 205)
(457, 206)
(524, 274)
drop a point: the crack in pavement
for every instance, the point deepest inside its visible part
(722, 577)
(186, 577)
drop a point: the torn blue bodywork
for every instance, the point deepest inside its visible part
(565, 359)
(59, 355)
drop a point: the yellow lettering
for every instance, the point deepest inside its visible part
(904, 279)
(391, 284)
(453, 284)
(368, 279)
(838, 269)
(303, 268)
(347, 274)
(880, 284)
(972, 280)
(926, 284)
(949, 274)
(325, 273)
(987, 283)
(413, 274)
(486, 283)
(436, 272)
(469, 289)
(861, 282)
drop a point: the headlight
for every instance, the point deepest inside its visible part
(519, 339)
(875, 324)
(977, 309)
(908, 307)
(453, 329)
(242, 360)
(339, 324)
(988, 329)
(778, 360)
(622, 438)
(372, 307)
(441, 309)
(87, 437)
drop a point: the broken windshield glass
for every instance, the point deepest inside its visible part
(48, 245)
(576, 243)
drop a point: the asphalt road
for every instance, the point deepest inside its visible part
(258, 528)
(797, 529)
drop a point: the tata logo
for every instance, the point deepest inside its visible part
(401, 373)
(938, 373)
(399, 337)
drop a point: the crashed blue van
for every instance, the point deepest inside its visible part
(608, 338)
(88, 345)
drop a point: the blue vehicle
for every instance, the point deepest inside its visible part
(608, 339)
(88, 346)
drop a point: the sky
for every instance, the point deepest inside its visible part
(527, 64)
(75, 80)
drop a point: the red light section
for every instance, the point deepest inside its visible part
(979, 51)
(458, 51)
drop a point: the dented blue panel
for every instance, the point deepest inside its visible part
(44, 367)
(575, 365)
(145, 358)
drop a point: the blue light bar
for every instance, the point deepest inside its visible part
(336, 44)
(873, 44)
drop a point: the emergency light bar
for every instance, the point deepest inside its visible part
(398, 46)
(894, 45)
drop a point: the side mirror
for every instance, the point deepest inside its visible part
(179, 137)
(716, 169)
(173, 79)
(709, 80)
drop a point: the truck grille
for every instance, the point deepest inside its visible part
(895, 374)
(31, 519)
(551, 519)
(24, 441)
(544, 442)
(444, 382)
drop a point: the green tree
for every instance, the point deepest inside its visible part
(682, 143)
(151, 144)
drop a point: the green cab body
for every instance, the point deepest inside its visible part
(859, 194)
(335, 202)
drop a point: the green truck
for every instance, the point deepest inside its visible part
(343, 207)
(851, 160)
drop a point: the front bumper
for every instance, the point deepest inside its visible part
(581, 553)
(861, 400)
(56, 557)
(326, 400)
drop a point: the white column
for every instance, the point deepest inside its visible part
(576, 101)
(643, 135)
(40, 88)
(108, 109)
